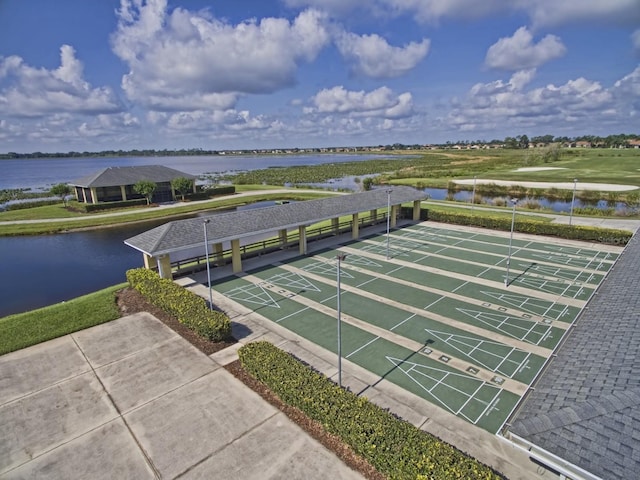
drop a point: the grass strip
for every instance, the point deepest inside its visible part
(30, 328)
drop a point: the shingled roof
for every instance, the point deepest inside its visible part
(183, 234)
(585, 408)
(116, 176)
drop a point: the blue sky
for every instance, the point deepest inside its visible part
(106, 74)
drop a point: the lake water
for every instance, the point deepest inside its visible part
(43, 270)
(42, 173)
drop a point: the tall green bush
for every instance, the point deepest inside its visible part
(394, 447)
(190, 309)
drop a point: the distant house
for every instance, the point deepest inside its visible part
(115, 184)
(635, 143)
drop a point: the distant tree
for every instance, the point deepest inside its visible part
(523, 141)
(146, 189)
(367, 182)
(510, 142)
(182, 185)
(61, 190)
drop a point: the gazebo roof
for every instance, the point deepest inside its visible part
(184, 234)
(116, 176)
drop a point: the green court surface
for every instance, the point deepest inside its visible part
(435, 317)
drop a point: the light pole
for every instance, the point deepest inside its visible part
(388, 218)
(206, 253)
(340, 257)
(513, 220)
(573, 199)
(473, 195)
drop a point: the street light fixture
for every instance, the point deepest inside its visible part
(388, 218)
(340, 257)
(573, 199)
(513, 220)
(206, 253)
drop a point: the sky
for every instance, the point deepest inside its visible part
(91, 75)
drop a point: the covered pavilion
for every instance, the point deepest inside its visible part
(159, 244)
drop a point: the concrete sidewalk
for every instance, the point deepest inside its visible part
(133, 399)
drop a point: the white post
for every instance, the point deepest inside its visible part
(340, 257)
(473, 195)
(513, 220)
(206, 253)
(573, 199)
(388, 218)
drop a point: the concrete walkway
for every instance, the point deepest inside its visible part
(133, 399)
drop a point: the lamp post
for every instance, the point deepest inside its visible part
(473, 195)
(206, 253)
(340, 257)
(388, 218)
(573, 199)
(513, 220)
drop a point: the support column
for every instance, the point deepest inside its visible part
(150, 263)
(416, 210)
(302, 233)
(282, 234)
(394, 215)
(164, 265)
(217, 249)
(236, 259)
(123, 192)
(335, 225)
(374, 216)
(355, 227)
(94, 195)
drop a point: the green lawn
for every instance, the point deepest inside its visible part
(30, 328)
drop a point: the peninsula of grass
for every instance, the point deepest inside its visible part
(30, 328)
(56, 219)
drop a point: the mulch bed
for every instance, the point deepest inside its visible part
(130, 301)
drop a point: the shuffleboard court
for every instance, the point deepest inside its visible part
(427, 309)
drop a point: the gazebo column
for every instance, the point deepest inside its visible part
(394, 215)
(374, 215)
(217, 248)
(123, 192)
(416, 210)
(282, 234)
(335, 225)
(150, 263)
(302, 232)
(236, 258)
(164, 266)
(355, 227)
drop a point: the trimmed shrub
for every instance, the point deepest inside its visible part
(190, 309)
(98, 207)
(394, 447)
(569, 232)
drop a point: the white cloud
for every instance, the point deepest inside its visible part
(26, 91)
(372, 56)
(381, 102)
(541, 12)
(580, 102)
(181, 59)
(519, 51)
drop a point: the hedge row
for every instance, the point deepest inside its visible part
(394, 447)
(570, 232)
(97, 207)
(31, 204)
(190, 309)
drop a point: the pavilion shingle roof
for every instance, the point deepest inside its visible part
(116, 176)
(586, 406)
(184, 234)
